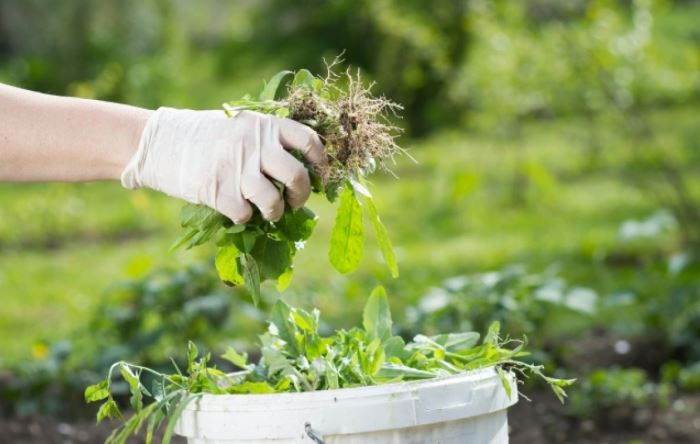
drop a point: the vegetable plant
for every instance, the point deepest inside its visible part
(359, 139)
(295, 357)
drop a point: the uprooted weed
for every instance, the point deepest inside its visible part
(354, 124)
(359, 138)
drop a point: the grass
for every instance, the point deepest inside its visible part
(472, 202)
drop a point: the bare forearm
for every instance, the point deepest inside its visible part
(50, 138)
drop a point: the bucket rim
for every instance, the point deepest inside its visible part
(209, 401)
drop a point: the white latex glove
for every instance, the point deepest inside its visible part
(205, 157)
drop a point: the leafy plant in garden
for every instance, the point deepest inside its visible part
(358, 139)
(525, 303)
(609, 388)
(144, 320)
(295, 357)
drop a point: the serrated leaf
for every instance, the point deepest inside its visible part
(347, 237)
(108, 410)
(491, 337)
(192, 354)
(269, 92)
(282, 319)
(331, 374)
(226, 263)
(237, 359)
(97, 392)
(128, 376)
(304, 321)
(376, 317)
(383, 239)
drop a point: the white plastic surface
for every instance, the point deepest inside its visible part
(471, 407)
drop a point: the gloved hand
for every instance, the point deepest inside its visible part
(226, 163)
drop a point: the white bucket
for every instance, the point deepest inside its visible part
(466, 408)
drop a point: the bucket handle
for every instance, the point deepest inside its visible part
(311, 434)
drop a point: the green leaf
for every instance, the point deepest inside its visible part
(331, 374)
(391, 370)
(304, 321)
(251, 277)
(153, 424)
(491, 337)
(284, 280)
(158, 389)
(192, 354)
(134, 386)
(128, 375)
(282, 319)
(272, 256)
(394, 347)
(97, 392)
(383, 239)
(376, 317)
(258, 388)
(227, 265)
(269, 92)
(376, 355)
(303, 77)
(237, 359)
(193, 214)
(108, 410)
(235, 229)
(347, 238)
(317, 84)
(297, 225)
(174, 416)
(504, 380)
(249, 238)
(182, 240)
(455, 342)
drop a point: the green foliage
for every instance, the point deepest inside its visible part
(145, 320)
(605, 389)
(296, 357)
(686, 378)
(524, 303)
(259, 250)
(348, 237)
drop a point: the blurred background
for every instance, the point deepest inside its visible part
(556, 189)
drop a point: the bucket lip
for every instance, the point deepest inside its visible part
(207, 401)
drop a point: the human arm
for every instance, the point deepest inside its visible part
(203, 157)
(52, 138)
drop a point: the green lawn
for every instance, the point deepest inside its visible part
(471, 202)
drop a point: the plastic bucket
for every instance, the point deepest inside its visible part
(466, 408)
